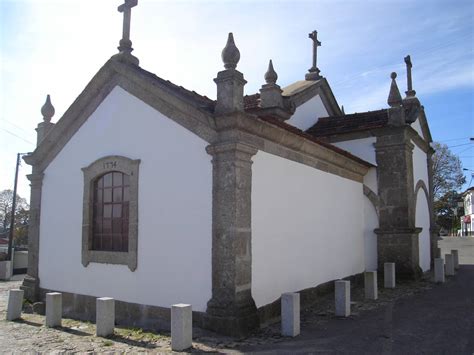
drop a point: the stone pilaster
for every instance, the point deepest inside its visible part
(231, 309)
(42, 130)
(397, 236)
(31, 281)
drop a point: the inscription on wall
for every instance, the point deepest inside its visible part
(112, 164)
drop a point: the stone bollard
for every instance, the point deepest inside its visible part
(389, 275)
(290, 314)
(181, 327)
(370, 285)
(342, 291)
(455, 253)
(15, 304)
(449, 265)
(105, 316)
(54, 309)
(439, 269)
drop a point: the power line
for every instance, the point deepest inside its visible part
(17, 136)
(458, 145)
(454, 139)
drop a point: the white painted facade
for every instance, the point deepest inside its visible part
(175, 205)
(300, 236)
(362, 148)
(307, 114)
(422, 217)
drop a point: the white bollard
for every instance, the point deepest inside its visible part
(370, 285)
(105, 316)
(439, 269)
(290, 314)
(342, 291)
(449, 265)
(54, 309)
(15, 304)
(181, 327)
(455, 253)
(389, 275)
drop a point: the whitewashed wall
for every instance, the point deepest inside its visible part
(423, 220)
(417, 127)
(362, 148)
(308, 113)
(371, 221)
(307, 227)
(420, 172)
(174, 241)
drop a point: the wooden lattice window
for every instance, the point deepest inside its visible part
(111, 212)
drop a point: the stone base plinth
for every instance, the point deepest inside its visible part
(232, 320)
(30, 287)
(400, 246)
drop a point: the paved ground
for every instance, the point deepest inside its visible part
(414, 318)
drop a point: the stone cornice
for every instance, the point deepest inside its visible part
(278, 141)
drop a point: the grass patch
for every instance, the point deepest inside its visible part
(107, 343)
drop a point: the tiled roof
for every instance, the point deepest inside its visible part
(251, 101)
(202, 101)
(276, 122)
(328, 126)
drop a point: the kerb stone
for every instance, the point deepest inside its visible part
(54, 309)
(439, 270)
(389, 275)
(449, 265)
(15, 304)
(342, 291)
(181, 327)
(105, 316)
(290, 314)
(455, 253)
(370, 285)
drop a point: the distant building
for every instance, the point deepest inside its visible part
(466, 220)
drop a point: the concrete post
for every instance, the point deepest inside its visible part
(342, 290)
(290, 314)
(370, 285)
(105, 316)
(449, 265)
(455, 253)
(54, 309)
(181, 327)
(15, 304)
(389, 275)
(439, 269)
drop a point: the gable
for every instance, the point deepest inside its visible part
(312, 100)
(308, 113)
(186, 108)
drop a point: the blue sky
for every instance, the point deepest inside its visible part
(55, 47)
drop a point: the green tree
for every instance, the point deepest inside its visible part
(448, 179)
(22, 207)
(447, 171)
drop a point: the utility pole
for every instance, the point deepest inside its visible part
(12, 220)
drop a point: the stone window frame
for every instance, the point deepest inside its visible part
(91, 173)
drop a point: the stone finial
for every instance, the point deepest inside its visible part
(394, 97)
(271, 76)
(125, 44)
(47, 110)
(342, 110)
(410, 92)
(230, 53)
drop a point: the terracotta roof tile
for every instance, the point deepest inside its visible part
(328, 126)
(201, 101)
(251, 101)
(276, 122)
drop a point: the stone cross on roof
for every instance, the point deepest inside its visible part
(125, 44)
(410, 91)
(314, 71)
